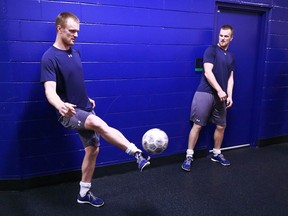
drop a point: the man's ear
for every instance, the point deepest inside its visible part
(58, 28)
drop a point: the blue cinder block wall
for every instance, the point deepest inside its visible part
(138, 59)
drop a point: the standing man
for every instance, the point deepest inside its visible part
(62, 76)
(213, 96)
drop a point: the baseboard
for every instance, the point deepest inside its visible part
(73, 176)
(23, 184)
(272, 141)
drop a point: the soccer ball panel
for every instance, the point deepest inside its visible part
(155, 141)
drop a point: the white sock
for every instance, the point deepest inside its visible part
(84, 188)
(216, 151)
(189, 153)
(132, 149)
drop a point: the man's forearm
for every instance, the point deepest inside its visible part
(230, 85)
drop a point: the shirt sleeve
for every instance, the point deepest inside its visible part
(48, 70)
(209, 55)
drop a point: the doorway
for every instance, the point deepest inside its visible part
(247, 47)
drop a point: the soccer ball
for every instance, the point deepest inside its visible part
(155, 141)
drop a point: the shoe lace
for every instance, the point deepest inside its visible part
(189, 160)
(138, 157)
(91, 195)
(221, 156)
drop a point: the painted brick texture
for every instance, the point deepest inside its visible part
(138, 59)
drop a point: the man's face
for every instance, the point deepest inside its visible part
(225, 37)
(69, 32)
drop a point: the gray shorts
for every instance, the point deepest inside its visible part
(88, 137)
(208, 107)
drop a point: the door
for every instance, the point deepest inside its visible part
(245, 46)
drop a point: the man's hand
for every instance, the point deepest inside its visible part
(92, 103)
(222, 95)
(67, 110)
(229, 102)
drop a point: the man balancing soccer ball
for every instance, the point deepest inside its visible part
(62, 76)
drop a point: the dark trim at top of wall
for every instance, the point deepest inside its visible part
(256, 7)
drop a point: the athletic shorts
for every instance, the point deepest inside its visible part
(76, 122)
(208, 107)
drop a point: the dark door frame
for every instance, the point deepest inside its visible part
(263, 11)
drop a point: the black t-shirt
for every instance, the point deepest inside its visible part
(65, 68)
(223, 63)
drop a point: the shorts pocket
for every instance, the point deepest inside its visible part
(70, 122)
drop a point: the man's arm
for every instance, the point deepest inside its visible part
(65, 109)
(230, 89)
(213, 82)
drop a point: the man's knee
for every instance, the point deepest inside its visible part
(220, 128)
(196, 127)
(92, 151)
(95, 123)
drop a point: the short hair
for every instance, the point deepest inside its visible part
(227, 27)
(61, 19)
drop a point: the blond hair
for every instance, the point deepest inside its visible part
(62, 18)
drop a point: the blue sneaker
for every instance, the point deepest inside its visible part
(142, 160)
(187, 164)
(220, 159)
(90, 199)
